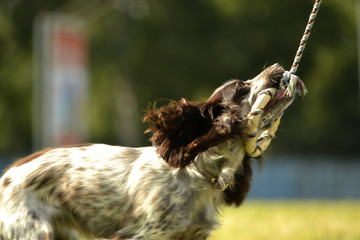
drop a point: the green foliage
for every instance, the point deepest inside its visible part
(15, 88)
(186, 49)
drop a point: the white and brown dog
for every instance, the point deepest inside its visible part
(200, 160)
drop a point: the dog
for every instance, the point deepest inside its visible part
(200, 160)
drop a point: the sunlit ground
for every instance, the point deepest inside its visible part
(280, 220)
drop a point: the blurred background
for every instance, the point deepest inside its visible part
(84, 71)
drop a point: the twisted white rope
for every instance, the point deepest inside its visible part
(305, 36)
(256, 145)
(289, 76)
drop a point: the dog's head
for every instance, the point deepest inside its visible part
(244, 93)
(183, 129)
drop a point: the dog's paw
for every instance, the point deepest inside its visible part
(256, 145)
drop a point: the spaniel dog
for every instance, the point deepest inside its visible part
(199, 161)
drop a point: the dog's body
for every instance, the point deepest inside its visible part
(109, 191)
(172, 190)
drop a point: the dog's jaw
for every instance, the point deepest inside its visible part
(287, 87)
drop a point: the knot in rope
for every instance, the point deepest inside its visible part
(290, 81)
(292, 84)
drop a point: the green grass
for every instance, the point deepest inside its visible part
(280, 220)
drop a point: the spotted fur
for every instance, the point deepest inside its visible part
(171, 190)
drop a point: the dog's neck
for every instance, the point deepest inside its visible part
(218, 164)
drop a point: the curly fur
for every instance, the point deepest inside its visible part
(172, 190)
(183, 129)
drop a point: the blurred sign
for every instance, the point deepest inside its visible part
(61, 82)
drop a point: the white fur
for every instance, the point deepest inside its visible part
(110, 191)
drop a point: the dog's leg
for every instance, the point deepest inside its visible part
(23, 215)
(28, 223)
(256, 144)
(25, 227)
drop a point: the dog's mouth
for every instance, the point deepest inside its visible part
(287, 88)
(290, 85)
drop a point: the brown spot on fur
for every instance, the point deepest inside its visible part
(35, 155)
(48, 179)
(45, 164)
(65, 155)
(52, 191)
(81, 169)
(78, 189)
(6, 181)
(31, 182)
(29, 158)
(81, 145)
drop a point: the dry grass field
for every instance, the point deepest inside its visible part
(285, 220)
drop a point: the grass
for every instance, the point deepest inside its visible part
(280, 220)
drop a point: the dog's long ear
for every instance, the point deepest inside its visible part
(183, 129)
(239, 191)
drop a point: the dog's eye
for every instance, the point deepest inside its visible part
(276, 78)
(240, 92)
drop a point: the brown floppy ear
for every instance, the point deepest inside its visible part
(243, 176)
(181, 130)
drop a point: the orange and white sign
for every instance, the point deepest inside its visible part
(61, 90)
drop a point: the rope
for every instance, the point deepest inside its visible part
(305, 36)
(289, 76)
(292, 82)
